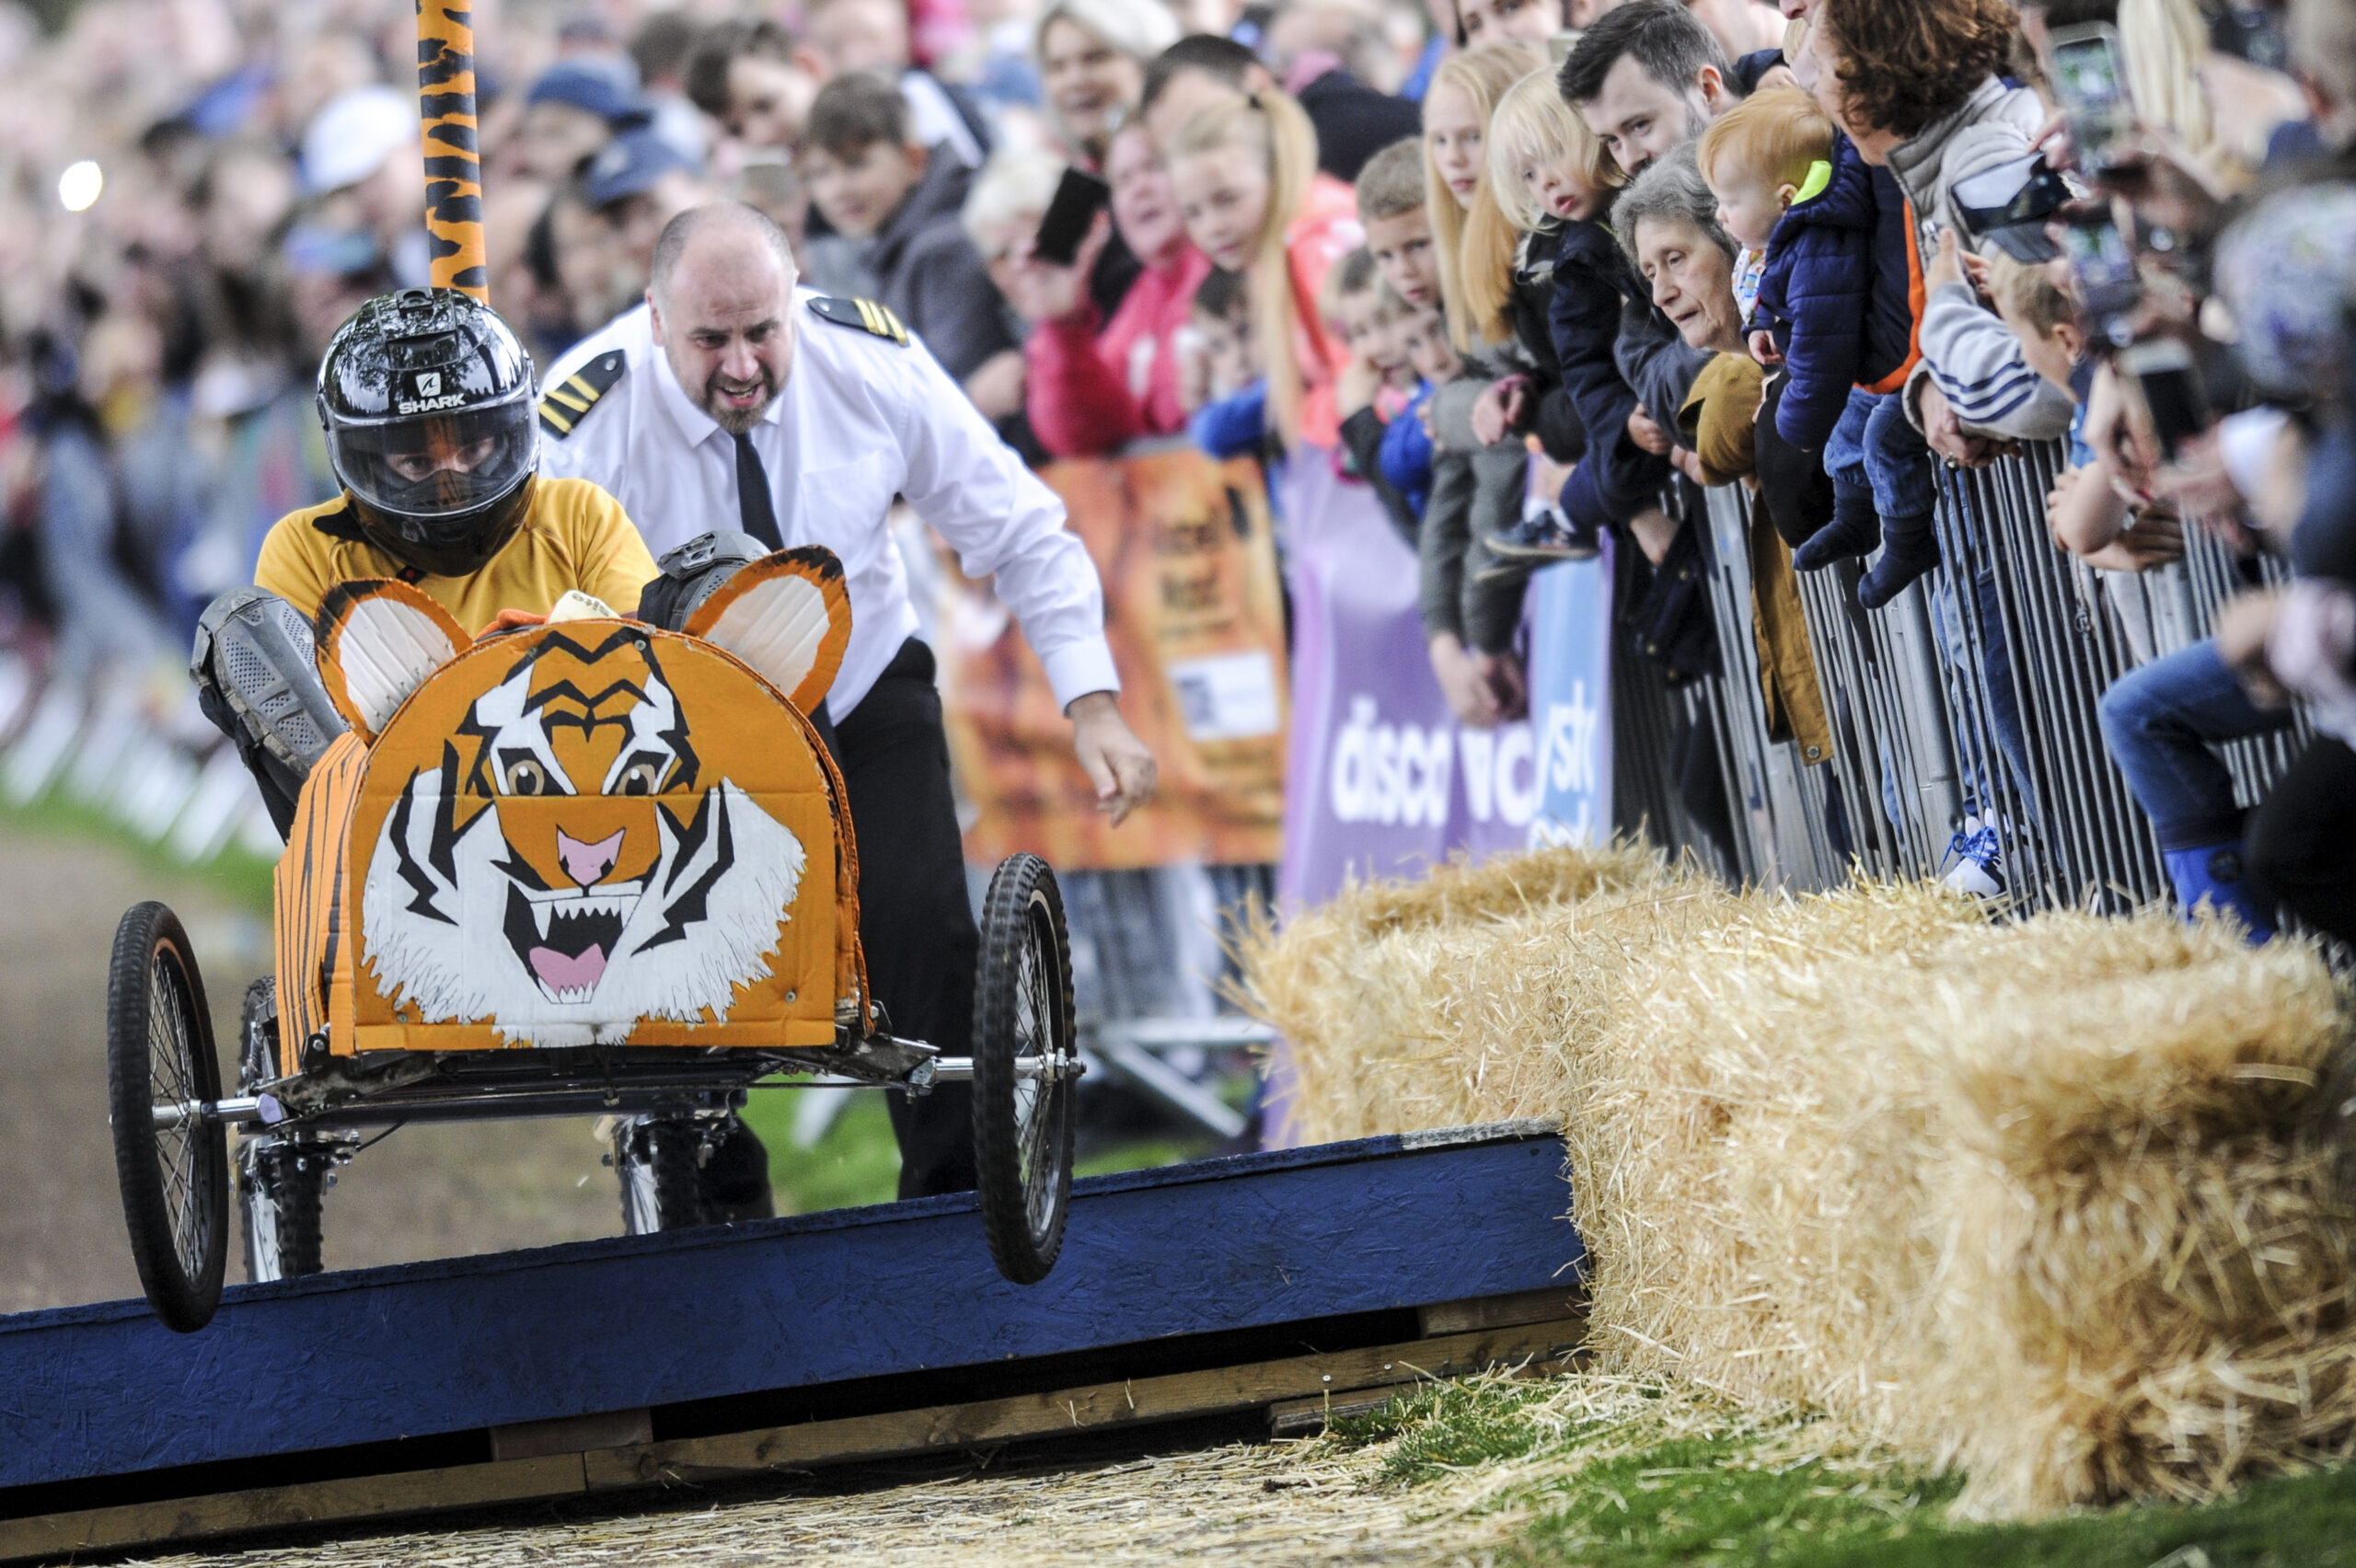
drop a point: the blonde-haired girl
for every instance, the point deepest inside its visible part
(1245, 176)
(1464, 92)
(1544, 164)
(1553, 176)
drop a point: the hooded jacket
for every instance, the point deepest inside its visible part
(1816, 294)
(928, 271)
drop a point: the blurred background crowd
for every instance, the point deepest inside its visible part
(1533, 272)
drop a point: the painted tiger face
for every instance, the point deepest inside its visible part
(569, 867)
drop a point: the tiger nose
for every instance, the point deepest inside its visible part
(588, 863)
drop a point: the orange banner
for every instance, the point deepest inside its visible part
(1196, 625)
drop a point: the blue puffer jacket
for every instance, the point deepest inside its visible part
(1817, 296)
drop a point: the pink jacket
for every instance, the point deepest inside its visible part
(1093, 392)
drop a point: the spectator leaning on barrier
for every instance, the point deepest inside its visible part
(1095, 384)
(1646, 79)
(1668, 221)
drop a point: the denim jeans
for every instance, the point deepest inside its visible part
(2002, 703)
(2160, 723)
(1875, 448)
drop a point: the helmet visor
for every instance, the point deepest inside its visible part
(437, 467)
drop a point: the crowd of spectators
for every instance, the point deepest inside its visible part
(1521, 267)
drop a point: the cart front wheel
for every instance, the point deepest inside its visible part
(661, 1188)
(280, 1175)
(1026, 1062)
(174, 1173)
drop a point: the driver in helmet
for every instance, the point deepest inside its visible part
(429, 403)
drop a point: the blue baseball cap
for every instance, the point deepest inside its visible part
(607, 89)
(629, 165)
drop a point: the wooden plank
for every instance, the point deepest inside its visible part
(572, 1434)
(1551, 1305)
(1296, 1383)
(313, 1503)
(1101, 1407)
(463, 1344)
(1300, 1418)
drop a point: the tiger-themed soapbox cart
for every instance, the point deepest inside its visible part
(584, 868)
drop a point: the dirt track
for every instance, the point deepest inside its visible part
(424, 1192)
(1283, 1506)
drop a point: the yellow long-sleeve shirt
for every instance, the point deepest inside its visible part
(575, 536)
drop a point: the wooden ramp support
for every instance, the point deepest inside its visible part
(1308, 1283)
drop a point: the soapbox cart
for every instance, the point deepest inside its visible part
(588, 868)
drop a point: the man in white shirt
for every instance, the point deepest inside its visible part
(732, 400)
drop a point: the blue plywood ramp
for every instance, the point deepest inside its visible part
(374, 1356)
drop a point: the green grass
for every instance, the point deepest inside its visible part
(1626, 1493)
(235, 875)
(855, 1163)
(1142, 1154)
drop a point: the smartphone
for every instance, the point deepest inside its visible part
(2090, 84)
(2166, 381)
(1079, 199)
(2107, 283)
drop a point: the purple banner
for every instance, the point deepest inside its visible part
(1381, 779)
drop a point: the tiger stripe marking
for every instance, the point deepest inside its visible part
(457, 255)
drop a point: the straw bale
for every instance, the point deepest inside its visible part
(2060, 1203)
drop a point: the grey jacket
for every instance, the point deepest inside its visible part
(1655, 362)
(1967, 352)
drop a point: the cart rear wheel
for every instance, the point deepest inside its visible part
(1025, 1061)
(280, 1175)
(175, 1178)
(661, 1186)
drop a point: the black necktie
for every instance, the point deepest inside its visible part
(753, 495)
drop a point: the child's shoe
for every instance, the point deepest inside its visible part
(1909, 547)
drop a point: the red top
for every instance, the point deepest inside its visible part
(1093, 392)
(1326, 231)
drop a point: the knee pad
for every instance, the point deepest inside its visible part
(258, 679)
(694, 572)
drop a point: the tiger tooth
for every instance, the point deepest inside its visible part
(541, 912)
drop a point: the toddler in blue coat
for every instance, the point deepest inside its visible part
(1836, 314)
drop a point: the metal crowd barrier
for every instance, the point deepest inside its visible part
(1921, 695)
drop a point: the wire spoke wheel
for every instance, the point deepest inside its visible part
(174, 1175)
(280, 1176)
(1025, 1066)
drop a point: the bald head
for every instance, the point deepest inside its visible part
(721, 298)
(717, 229)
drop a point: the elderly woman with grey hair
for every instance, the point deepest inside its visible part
(1668, 223)
(1092, 55)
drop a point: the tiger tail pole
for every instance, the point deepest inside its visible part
(445, 99)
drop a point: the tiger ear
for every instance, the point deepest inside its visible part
(788, 616)
(378, 642)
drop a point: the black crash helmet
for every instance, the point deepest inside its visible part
(427, 400)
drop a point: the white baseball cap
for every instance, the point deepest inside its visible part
(350, 138)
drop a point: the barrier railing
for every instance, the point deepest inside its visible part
(1968, 706)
